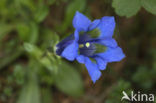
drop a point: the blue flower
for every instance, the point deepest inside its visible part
(82, 46)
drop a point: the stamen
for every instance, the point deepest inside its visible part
(81, 45)
(87, 44)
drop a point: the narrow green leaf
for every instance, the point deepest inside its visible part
(28, 32)
(41, 13)
(46, 95)
(33, 50)
(47, 59)
(10, 58)
(34, 32)
(5, 29)
(23, 31)
(19, 74)
(30, 93)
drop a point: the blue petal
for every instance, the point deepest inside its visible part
(101, 63)
(71, 51)
(76, 35)
(65, 41)
(81, 22)
(80, 59)
(112, 54)
(93, 70)
(106, 26)
(71, 37)
(94, 24)
(108, 42)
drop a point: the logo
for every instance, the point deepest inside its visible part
(138, 97)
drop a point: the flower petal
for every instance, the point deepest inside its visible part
(67, 41)
(81, 22)
(80, 59)
(76, 35)
(108, 42)
(101, 63)
(64, 41)
(71, 51)
(93, 70)
(94, 24)
(106, 26)
(112, 54)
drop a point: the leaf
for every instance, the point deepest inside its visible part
(46, 95)
(10, 58)
(126, 8)
(31, 4)
(2, 4)
(115, 94)
(49, 38)
(23, 31)
(19, 74)
(28, 32)
(5, 29)
(33, 50)
(47, 59)
(46, 62)
(34, 32)
(30, 93)
(50, 2)
(75, 5)
(41, 13)
(149, 5)
(68, 80)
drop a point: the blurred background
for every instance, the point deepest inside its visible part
(30, 72)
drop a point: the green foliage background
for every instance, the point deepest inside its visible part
(30, 72)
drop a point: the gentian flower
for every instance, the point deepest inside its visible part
(91, 44)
